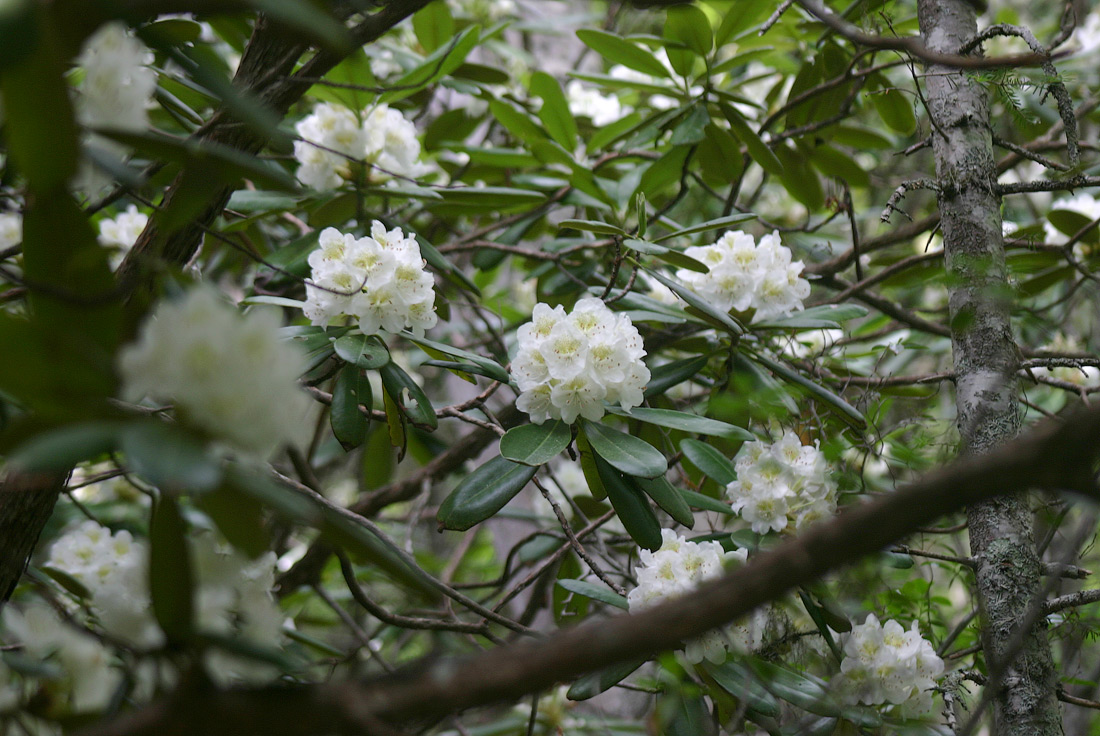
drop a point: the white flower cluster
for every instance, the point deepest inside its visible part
(87, 680)
(380, 280)
(232, 594)
(229, 374)
(745, 275)
(123, 231)
(11, 229)
(332, 138)
(585, 102)
(884, 663)
(679, 567)
(568, 365)
(781, 484)
(118, 82)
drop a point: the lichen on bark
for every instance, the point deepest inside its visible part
(986, 358)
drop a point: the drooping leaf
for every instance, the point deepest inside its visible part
(618, 50)
(349, 423)
(710, 460)
(631, 506)
(170, 576)
(396, 382)
(846, 411)
(668, 498)
(722, 318)
(667, 375)
(706, 503)
(594, 683)
(629, 454)
(483, 493)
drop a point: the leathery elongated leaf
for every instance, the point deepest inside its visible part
(628, 454)
(632, 507)
(483, 493)
(535, 444)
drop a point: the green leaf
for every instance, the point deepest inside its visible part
(349, 424)
(592, 226)
(835, 163)
(170, 578)
(793, 687)
(58, 450)
(554, 113)
(690, 26)
(684, 421)
(739, 681)
(483, 493)
(758, 149)
(395, 381)
(1070, 223)
(665, 376)
(434, 25)
(629, 454)
(535, 444)
(710, 460)
(169, 457)
(516, 121)
(239, 517)
(40, 132)
(706, 503)
(716, 224)
(895, 109)
(249, 201)
(631, 506)
(723, 318)
(490, 367)
(826, 316)
(594, 683)
(595, 592)
(435, 66)
(800, 179)
(276, 301)
(690, 130)
(618, 50)
(588, 467)
(365, 351)
(847, 412)
(668, 498)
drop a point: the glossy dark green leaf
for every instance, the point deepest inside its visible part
(684, 421)
(364, 351)
(631, 506)
(489, 367)
(169, 457)
(595, 592)
(667, 375)
(517, 122)
(691, 715)
(483, 493)
(535, 444)
(800, 179)
(739, 681)
(554, 113)
(349, 423)
(588, 467)
(667, 498)
(629, 454)
(396, 382)
(594, 683)
(618, 50)
(797, 689)
(705, 503)
(710, 460)
(170, 576)
(847, 412)
(718, 316)
(58, 450)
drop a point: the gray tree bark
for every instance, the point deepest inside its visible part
(986, 359)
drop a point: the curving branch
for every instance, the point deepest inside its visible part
(429, 691)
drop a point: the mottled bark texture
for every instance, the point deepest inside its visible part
(986, 358)
(26, 502)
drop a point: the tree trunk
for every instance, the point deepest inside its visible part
(26, 502)
(986, 360)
